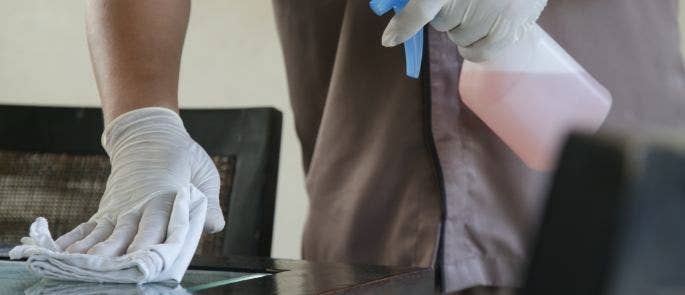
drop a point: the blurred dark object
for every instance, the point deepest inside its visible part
(614, 222)
(52, 164)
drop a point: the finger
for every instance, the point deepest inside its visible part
(410, 20)
(121, 237)
(451, 15)
(75, 234)
(501, 36)
(470, 32)
(101, 231)
(153, 224)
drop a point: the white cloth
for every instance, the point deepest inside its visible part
(155, 263)
(481, 28)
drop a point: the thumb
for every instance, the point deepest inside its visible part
(215, 218)
(205, 177)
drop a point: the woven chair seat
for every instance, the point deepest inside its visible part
(66, 189)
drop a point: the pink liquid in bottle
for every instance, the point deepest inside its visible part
(533, 96)
(518, 107)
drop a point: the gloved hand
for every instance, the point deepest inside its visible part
(481, 28)
(152, 157)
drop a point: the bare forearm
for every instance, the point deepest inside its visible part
(136, 50)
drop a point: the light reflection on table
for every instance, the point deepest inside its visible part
(16, 279)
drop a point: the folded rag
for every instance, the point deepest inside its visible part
(157, 263)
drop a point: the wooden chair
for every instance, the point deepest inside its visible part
(52, 165)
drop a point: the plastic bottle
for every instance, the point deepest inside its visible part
(532, 95)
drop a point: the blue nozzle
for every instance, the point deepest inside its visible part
(413, 48)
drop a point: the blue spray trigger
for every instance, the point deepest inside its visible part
(413, 53)
(413, 48)
(380, 7)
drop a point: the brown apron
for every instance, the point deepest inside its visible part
(391, 160)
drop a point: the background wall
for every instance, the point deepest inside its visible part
(232, 58)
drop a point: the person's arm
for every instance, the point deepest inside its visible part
(136, 50)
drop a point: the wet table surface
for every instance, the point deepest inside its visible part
(16, 279)
(240, 275)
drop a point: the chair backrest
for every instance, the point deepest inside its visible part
(614, 221)
(50, 153)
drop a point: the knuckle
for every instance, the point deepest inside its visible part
(471, 54)
(458, 39)
(440, 25)
(93, 250)
(75, 248)
(132, 248)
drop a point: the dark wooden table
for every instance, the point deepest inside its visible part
(303, 277)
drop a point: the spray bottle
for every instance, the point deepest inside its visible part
(532, 94)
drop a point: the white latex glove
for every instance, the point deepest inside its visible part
(481, 28)
(162, 262)
(152, 157)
